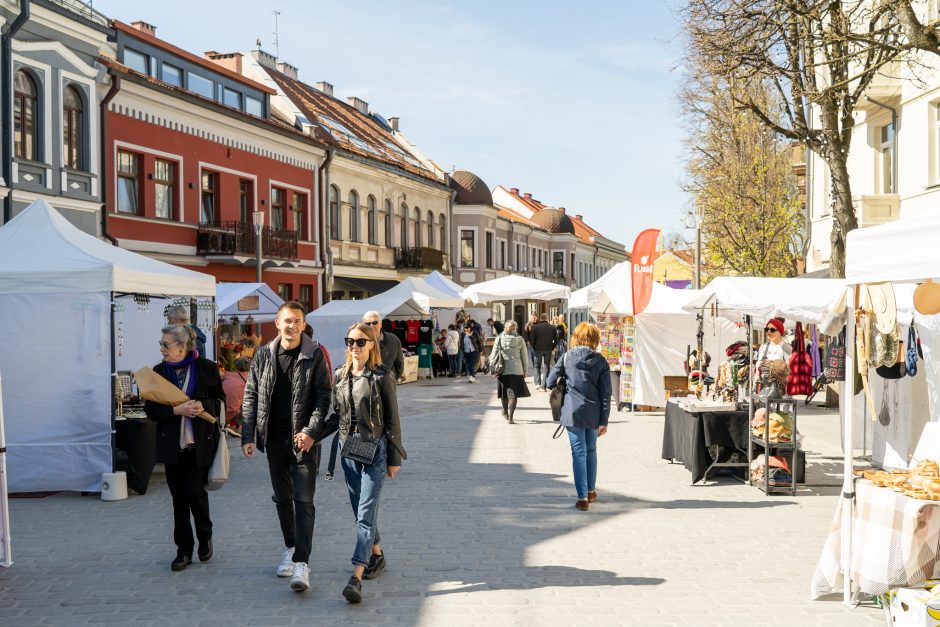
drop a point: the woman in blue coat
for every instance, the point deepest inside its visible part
(586, 406)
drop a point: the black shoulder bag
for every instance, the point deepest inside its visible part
(355, 448)
(557, 397)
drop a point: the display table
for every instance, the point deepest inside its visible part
(894, 542)
(137, 439)
(687, 436)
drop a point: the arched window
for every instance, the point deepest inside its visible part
(388, 224)
(25, 110)
(430, 229)
(417, 226)
(443, 241)
(403, 227)
(334, 213)
(72, 124)
(373, 221)
(353, 216)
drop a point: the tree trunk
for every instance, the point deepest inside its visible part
(843, 212)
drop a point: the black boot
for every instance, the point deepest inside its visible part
(182, 561)
(353, 590)
(205, 550)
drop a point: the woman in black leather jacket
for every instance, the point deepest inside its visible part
(366, 408)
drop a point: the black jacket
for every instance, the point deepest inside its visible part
(205, 434)
(375, 397)
(392, 357)
(542, 336)
(475, 338)
(310, 395)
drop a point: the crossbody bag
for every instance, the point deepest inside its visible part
(355, 448)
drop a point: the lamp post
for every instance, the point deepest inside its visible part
(257, 218)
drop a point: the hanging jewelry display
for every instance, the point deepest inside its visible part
(205, 315)
(143, 302)
(119, 309)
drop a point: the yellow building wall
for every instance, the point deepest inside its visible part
(672, 268)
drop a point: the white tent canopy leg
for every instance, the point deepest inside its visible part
(848, 479)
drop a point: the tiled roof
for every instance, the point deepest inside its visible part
(512, 216)
(686, 256)
(347, 128)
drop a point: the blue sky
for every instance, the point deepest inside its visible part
(573, 102)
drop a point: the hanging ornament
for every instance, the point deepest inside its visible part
(143, 302)
(119, 308)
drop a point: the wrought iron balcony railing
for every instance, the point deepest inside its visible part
(419, 258)
(238, 238)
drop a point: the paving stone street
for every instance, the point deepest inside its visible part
(480, 527)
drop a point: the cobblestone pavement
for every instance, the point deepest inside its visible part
(478, 528)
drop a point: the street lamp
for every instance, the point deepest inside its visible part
(257, 218)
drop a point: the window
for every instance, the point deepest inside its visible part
(489, 250)
(334, 212)
(254, 106)
(886, 146)
(209, 200)
(558, 264)
(25, 109)
(72, 125)
(417, 226)
(502, 255)
(285, 291)
(246, 205)
(571, 267)
(137, 61)
(442, 222)
(164, 187)
(231, 98)
(373, 221)
(353, 216)
(466, 249)
(172, 75)
(518, 258)
(431, 229)
(298, 211)
(388, 224)
(201, 85)
(128, 195)
(277, 208)
(403, 227)
(305, 297)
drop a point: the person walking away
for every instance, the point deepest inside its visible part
(179, 314)
(543, 342)
(234, 385)
(389, 344)
(365, 407)
(511, 386)
(452, 345)
(185, 443)
(287, 393)
(561, 337)
(471, 345)
(586, 406)
(533, 319)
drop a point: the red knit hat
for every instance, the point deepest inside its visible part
(773, 322)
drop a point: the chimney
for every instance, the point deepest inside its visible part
(578, 216)
(359, 104)
(143, 26)
(514, 191)
(326, 88)
(265, 59)
(394, 123)
(527, 196)
(288, 69)
(228, 60)
(562, 209)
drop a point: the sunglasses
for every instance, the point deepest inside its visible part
(360, 342)
(167, 345)
(771, 330)
(373, 323)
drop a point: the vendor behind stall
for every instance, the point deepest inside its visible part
(771, 364)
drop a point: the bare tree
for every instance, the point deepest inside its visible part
(817, 57)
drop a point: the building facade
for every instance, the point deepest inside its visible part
(52, 139)
(192, 155)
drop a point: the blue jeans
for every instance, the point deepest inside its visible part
(542, 359)
(531, 356)
(470, 361)
(364, 483)
(454, 361)
(583, 459)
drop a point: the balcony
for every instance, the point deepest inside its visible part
(419, 258)
(238, 239)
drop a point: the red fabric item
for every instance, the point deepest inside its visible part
(411, 336)
(643, 258)
(773, 322)
(801, 367)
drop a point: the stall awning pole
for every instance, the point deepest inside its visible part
(847, 407)
(749, 386)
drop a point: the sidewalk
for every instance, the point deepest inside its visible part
(478, 528)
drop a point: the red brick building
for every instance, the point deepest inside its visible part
(192, 153)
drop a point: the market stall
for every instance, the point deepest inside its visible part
(881, 539)
(58, 290)
(246, 303)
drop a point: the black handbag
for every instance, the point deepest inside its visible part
(355, 448)
(557, 397)
(834, 363)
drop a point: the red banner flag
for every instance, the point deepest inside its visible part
(642, 259)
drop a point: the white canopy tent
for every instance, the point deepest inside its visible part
(57, 285)
(515, 287)
(440, 282)
(901, 252)
(229, 295)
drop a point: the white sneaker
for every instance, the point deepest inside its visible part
(286, 567)
(300, 580)
(473, 380)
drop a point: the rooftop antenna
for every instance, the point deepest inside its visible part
(277, 41)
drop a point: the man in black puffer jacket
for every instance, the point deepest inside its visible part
(286, 395)
(542, 337)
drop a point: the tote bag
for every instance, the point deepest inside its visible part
(218, 471)
(801, 367)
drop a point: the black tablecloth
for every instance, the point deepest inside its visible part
(137, 439)
(686, 437)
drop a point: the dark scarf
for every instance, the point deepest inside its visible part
(177, 371)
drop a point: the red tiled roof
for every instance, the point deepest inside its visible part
(369, 139)
(189, 56)
(512, 216)
(686, 256)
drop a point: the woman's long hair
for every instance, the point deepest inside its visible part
(375, 353)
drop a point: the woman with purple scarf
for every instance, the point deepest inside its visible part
(186, 444)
